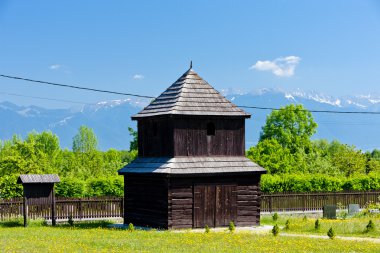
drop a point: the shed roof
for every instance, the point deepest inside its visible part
(191, 95)
(38, 178)
(191, 165)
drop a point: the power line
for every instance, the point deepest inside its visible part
(45, 98)
(151, 97)
(306, 110)
(75, 87)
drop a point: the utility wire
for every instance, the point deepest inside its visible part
(45, 98)
(75, 87)
(316, 111)
(151, 97)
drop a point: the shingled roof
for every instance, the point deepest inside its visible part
(191, 95)
(192, 165)
(38, 178)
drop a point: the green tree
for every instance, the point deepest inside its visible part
(349, 161)
(292, 126)
(85, 140)
(375, 154)
(133, 145)
(272, 156)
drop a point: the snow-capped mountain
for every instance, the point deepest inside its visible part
(111, 119)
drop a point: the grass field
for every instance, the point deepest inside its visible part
(93, 237)
(343, 227)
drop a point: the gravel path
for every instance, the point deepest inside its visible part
(266, 229)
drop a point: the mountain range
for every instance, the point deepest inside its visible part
(111, 119)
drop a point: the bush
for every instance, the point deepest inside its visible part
(331, 233)
(77, 188)
(70, 221)
(370, 227)
(9, 187)
(71, 187)
(318, 183)
(317, 225)
(275, 230)
(275, 216)
(112, 186)
(287, 225)
(131, 227)
(231, 226)
(207, 229)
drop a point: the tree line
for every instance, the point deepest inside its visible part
(295, 162)
(84, 170)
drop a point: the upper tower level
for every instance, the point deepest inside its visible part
(191, 118)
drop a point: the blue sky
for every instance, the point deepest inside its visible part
(144, 46)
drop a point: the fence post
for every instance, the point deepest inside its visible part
(53, 211)
(270, 203)
(80, 209)
(122, 207)
(304, 201)
(25, 211)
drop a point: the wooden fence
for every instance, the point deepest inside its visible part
(77, 208)
(278, 202)
(108, 207)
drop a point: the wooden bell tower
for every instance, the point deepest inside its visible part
(191, 168)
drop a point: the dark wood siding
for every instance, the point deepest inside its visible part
(180, 204)
(226, 205)
(191, 139)
(204, 206)
(146, 200)
(248, 202)
(214, 205)
(215, 201)
(155, 137)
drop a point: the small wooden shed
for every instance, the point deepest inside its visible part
(191, 168)
(39, 190)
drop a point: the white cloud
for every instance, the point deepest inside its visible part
(283, 66)
(138, 77)
(55, 66)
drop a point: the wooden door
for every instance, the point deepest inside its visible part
(204, 206)
(214, 205)
(226, 208)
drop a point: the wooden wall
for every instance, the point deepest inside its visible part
(187, 136)
(155, 137)
(247, 206)
(180, 195)
(248, 202)
(190, 137)
(39, 193)
(146, 200)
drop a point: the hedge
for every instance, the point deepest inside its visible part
(107, 186)
(114, 186)
(318, 183)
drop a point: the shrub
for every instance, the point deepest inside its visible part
(275, 217)
(207, 229)
(304, 219)
(131, 228)
(70, 221)
(9, 188)
(331, 233)
(287, 225)
(317, 224)
(71, 187)
(231, 226)
(111, 186)
(275, 230)
(370, 227)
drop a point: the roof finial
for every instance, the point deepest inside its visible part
(191, 64)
